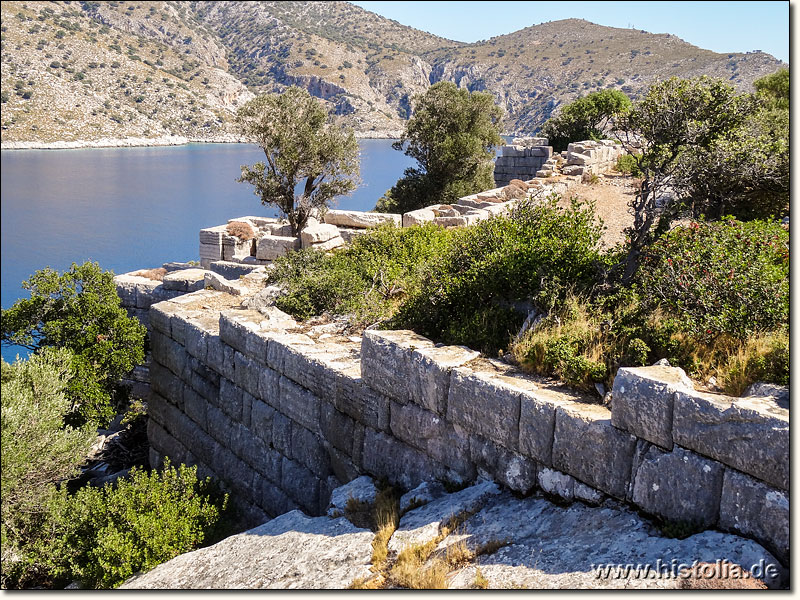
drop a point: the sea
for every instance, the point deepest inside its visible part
(135, 208)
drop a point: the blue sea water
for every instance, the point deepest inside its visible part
(132, 208)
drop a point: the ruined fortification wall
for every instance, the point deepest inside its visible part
(283, 417)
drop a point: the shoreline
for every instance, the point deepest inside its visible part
(166, 140)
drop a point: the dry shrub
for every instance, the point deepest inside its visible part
(719, 576)
(154, 274)
(410, 571)
(518, 183)
(480, 582)
(241, 230)
(386, 518)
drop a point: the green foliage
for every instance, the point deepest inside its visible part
(627, 164)
(300, 142)
(720, 278)
(80, 310)
(38, 451)
(108, 534)
(585, 119)
(773, 90)
(451, 134)
(470, 293)
(365, 280)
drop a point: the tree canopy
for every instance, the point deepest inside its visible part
(79, 310)
(309, 159)
(585, 119)
(452, 135)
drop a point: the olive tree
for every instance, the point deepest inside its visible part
(675, 123)
(309, 159)
(585, 119)
(452, 135)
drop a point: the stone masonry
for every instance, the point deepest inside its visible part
(283, 415)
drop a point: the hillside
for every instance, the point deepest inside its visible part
(90, 70)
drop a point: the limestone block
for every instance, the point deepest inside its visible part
(273, 500)
(418, 217)
(334, 242)
(213, 235)
(360, 220)
(309, 450)
(301, 485)
(270, 247)
(316, 234)
(760, 389)
(337, 428)
(402, 465)
(313, 365)
(590, 496)
(557, 483)
(749, 434)
(512, 151)
(300, 405)
(234, 248)
(537, 423)
(361, 489)
(408, 367)
(484, 404)
(425, 492)
(184, 280)
(282, 434)
(219, 283)
(281, 344)
(643, 400)
(230, 399)
(429, 432)
(358, 400)
(247, 373)
(679, 486)
(423, 524)
(261, 418)
(529, 141)
(168, 353)
(165, 444)
(513, 470)
(587, 446)
(234, 270)
(348, 235)
(754, 509)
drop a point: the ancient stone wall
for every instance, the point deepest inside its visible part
(522, 159)
(283, 414)
(591, 157)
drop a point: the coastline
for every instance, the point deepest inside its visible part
(166, 140)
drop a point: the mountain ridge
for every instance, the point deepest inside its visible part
(83, 71)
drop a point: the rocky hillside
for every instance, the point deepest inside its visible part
(91, 70)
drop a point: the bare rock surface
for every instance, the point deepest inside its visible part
(293, 551)
(551, 547)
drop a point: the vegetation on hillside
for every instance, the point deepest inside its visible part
(587, 118)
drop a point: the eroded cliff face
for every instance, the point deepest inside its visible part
(91, 70)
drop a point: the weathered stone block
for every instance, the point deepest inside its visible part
(168, 353)
(429, 432)
(337, 428)
(587, 446)
(402, 465)
(261, 417)
(234, 270)
(360, 220)
(317, 234)
(335, 242)
(247, 373)
(418, 217)
(557, 483)
(450, 221)
(196, 338)
(164, 383)
(219, 283)
(300, 485)
(165, 444)
(513, 470)
(537, 423)
(386, 361)
(269, 386)
(300, 405)
(342, 465)
(308, 450)
(749, 434)
(184, 280)
(643, 401)
(312, 366)
(274, 501)
(270, 247)
(752, 508)
(483, 404)
(679, 486)
(230, 399)
(281, 344)
(220, 425)
(282, 434)
(195, 407)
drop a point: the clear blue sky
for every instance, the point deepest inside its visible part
(717, 26)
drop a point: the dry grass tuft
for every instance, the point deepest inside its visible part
(154, 274)
(480, 582)
(241, 230)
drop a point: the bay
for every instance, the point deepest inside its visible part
(134, 208)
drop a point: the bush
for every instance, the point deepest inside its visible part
(722, 278)
(80, 310)
(108, 534)
(627, 164)
(479, 290)
(37, 451)
(243, 231)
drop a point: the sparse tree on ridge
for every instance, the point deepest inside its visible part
(309, 159)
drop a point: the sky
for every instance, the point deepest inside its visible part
(718, 26)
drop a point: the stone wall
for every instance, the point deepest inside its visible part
(522, 159)
(591, 157)
(284, 413)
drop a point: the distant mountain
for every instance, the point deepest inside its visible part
(90, 70)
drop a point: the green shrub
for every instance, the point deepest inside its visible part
(627, 164)
(108, 534)
(473, 293)
(80, 310)
(37, 451)
(722, 278)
